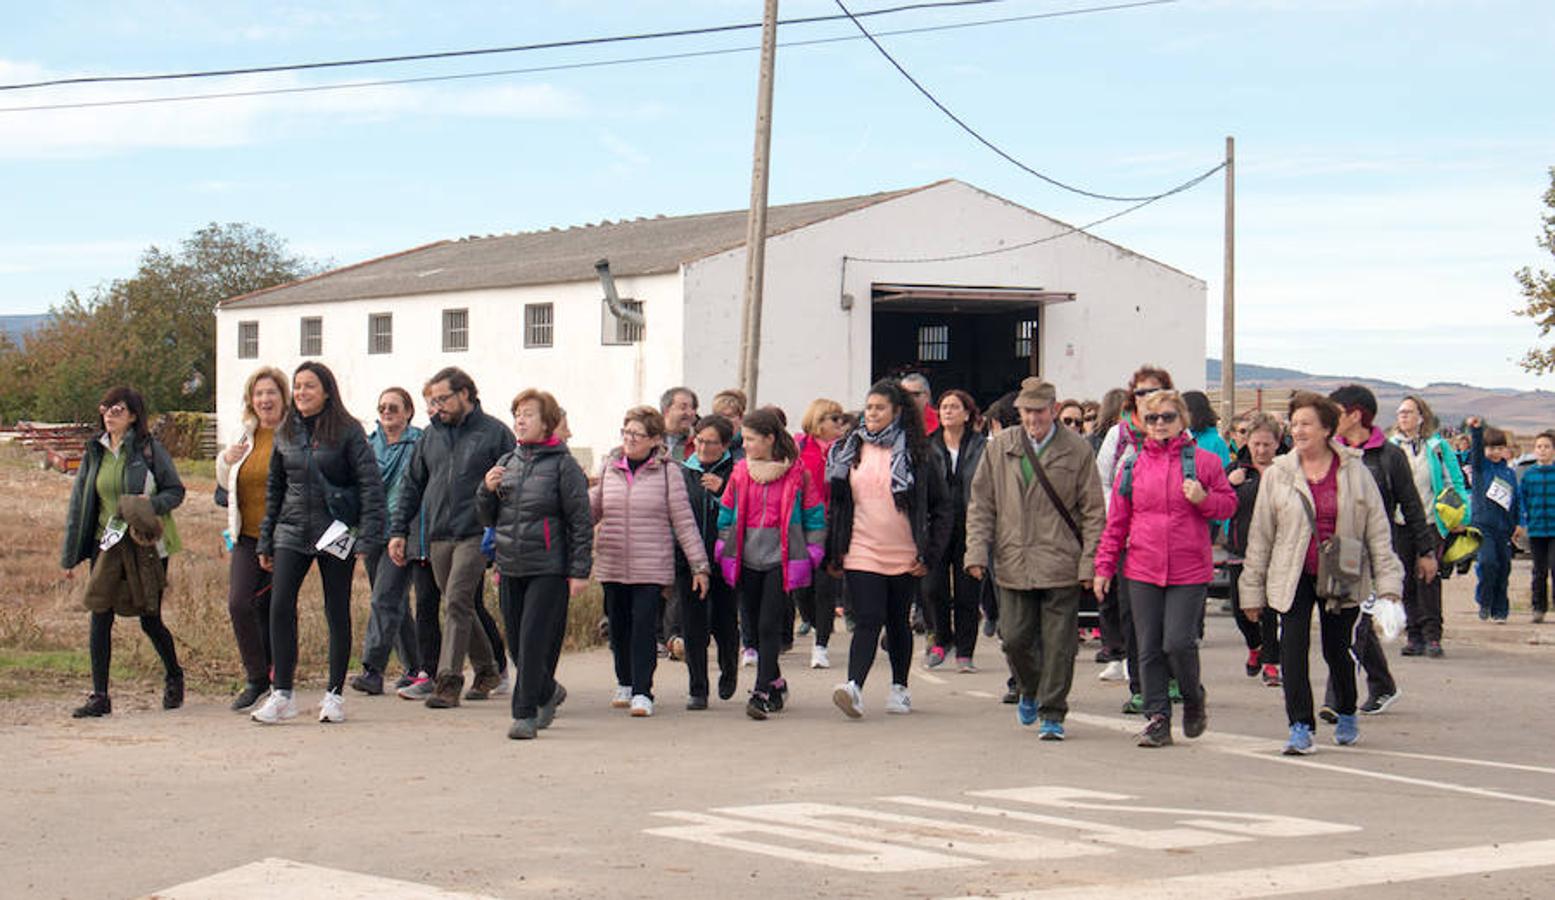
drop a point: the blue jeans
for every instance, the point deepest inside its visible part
(389, 625)
(1495, 567)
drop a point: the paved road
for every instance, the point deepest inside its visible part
(1450, 794)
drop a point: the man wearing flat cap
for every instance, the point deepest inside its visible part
(1034, 519)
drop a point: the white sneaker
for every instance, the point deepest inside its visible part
(899, 701)
(622, 698)
(505, 688)
(748, 658)
(278, 707)
(849, 700)
(1114, 671)
(332, 708)
(642, 705)
(820, 658)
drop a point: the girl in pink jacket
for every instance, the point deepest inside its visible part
(1162, 503)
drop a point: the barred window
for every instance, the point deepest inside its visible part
(539, 319)
(456, 330)
(248, 340)
(312, 343)
(380, 333)
(1025, 338)
(933, 343)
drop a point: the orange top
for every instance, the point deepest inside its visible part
(253, 477)
(882, 535)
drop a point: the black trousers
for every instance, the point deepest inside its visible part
(818, 605)
(633, 610)
(1262, 635)
(535, 610)
(714, 616)
(880, 602)
(290, 567)
(248, 605)
(764, 602)
(1542, 549)
(100, 643)
(1295, 645)
(1423, 603)
(1366, 650)
(951, 600)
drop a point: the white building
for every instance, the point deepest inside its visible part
(971, 289)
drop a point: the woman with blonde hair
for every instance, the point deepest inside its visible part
(243, 470)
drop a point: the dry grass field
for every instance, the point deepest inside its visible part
(43, 628)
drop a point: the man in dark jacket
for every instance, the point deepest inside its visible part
(1413, 535)
(459, 446)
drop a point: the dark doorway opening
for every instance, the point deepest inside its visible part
(983, 340)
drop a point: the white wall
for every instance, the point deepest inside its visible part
(595, 383)
(1129, 310)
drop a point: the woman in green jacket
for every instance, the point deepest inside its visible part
(122, 459)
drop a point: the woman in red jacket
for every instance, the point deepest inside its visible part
(1162, 504)
(822, 424)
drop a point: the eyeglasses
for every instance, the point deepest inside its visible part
(437, 400)
(1145, 392)
(1070, 421)
(1165, 418)
(700, 442)
(118, 409)
(628, 434)
(836, 417)
(386, 408)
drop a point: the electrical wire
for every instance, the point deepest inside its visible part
(1068, 230)
(558, 67)
(488, 51)
(1000, 151)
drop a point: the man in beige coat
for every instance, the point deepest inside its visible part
(1039, 540)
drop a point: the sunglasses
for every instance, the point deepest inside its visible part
(386, 408)
(1071, 422)
(118, 409)
(1144, 392)
(1165, 418)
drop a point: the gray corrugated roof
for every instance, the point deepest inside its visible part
(638, 247)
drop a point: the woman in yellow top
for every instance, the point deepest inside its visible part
(243, 469)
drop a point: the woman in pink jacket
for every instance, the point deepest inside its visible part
(642, 509)
(1162, 503)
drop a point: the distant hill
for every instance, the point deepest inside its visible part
(1525, 412)
(18, 327)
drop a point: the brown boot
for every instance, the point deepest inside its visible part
(446, 694)
(485, 683)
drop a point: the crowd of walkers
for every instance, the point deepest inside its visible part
(910, 513)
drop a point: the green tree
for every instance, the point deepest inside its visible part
(155, 330)
(1539, 292)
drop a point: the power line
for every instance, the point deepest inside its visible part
(488, 51)
(558, 67)
(995, 147)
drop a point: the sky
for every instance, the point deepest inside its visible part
(1392, 155)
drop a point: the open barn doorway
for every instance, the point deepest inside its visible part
(983, 340)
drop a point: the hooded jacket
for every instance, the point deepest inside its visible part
(540, 511)
(148, 469)
(642, 515)
(296, 512)
(1167, 537)
(790, 506)
(447, 466)
(1277, 542)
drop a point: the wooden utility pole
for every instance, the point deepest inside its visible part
(1228, 295)
(756, 228)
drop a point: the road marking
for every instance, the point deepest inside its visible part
(932, 679)
(1308, 762)
(983, 694)
(270, 878)
(1458, 760)
(1312, 878)
(865, 856)
(1250, 825)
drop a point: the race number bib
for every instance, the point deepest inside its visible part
(1500, 493)
(113, 533)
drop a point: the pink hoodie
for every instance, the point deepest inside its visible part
(1166, 536)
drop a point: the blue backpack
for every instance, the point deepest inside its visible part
(1190, 469)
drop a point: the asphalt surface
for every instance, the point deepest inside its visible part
(1450, 794)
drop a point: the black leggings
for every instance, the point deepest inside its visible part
(880, 601)
(100, 643)
(289, 568)
(818, 605)
(1262, 635)
(763, 601)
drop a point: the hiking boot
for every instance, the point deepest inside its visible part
(96, 705)
(1134, 705)
(173, 691)
(1346, 732)
(727, 682)
(1413, 648)
(696, 702)
(848, 699)
(1157, 732)
(523, 730)
(547, 712)
(249, 695)
(1433, 649)
(1300, 743)
(1251, 666)
(420, 688)
(1050, 730)
(1026, 710)
(485, 683)
(758, 706)
(369, 682)
(1377, 704)
(1327, 714)
(445, 693)
(934, 658)
(1195, 717)
(277, 708)
(1271, 675)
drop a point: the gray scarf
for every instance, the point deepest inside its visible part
(844, 455)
